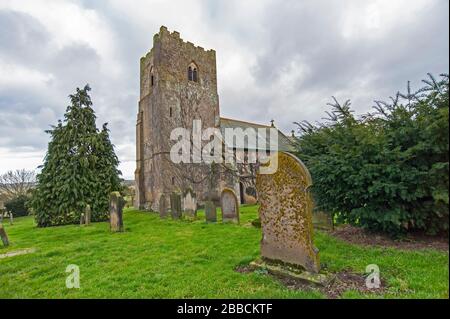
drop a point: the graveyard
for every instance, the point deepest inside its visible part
(189, 258)
(190, 173)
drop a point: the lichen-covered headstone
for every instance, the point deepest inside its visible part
(175, 205)
(162, 206)
(3, 236)
(189, 204)
(210, 212)
(230, 206)
(286, 214)
(116, 204)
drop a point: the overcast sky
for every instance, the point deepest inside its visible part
(275, 59)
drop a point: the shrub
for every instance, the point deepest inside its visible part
(386, 171)
(18, 206)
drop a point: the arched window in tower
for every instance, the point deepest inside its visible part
(193, 72)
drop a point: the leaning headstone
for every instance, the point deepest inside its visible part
(322, 221)
(162, 206)
(286, 214)
(190, 204)
(230, 206)
(3, 236)
(116, 204)
(210, 212)
(175, 205)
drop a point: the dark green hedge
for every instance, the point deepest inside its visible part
(18, 206)
(386, 171)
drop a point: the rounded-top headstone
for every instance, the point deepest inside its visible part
(286, 214)
(230, 206)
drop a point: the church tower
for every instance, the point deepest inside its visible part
(178, 84)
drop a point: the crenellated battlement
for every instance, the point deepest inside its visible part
(175, 35)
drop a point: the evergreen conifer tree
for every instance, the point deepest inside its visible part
(80, 168)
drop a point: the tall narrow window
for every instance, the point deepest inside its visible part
(190, 74)
(193, 72)
(194, 78)
(170, 111)
(152, 77)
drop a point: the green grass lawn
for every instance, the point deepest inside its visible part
(157, 258)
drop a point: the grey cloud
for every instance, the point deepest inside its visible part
(282, 36)
(310, 33)
(22, 37)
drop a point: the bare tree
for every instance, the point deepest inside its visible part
(17, 183)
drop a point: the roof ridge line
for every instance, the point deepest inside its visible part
(230, 119)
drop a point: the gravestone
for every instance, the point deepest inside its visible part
(162, 206)
(322, 221)
(210, 212)
(87, 215)
(286, 214)
(116, 204)
(175, 205)
(2, 210)
(85, 218)
(230, 206)
(4, 214)
(190, 204)
(3, 236)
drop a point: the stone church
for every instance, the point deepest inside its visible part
(178, 84)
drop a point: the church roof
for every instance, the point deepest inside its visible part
(284, 143)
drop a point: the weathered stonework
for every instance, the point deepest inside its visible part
(173, 97)
(175, 205)
(210, 212)
(169, 100)
(286, 214)
(3, 236)
(230, 206)
(162, 206)
(189, 204)
(116, 204)
(322, 221)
